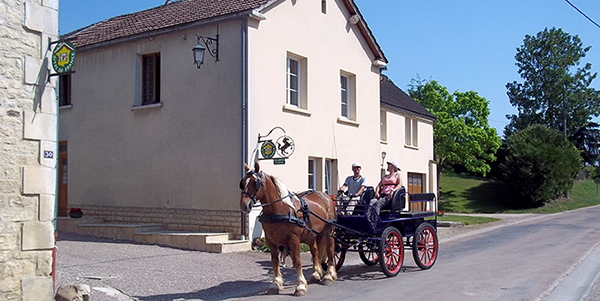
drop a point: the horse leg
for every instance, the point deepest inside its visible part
(301, 286)
(329, 245)
(277, 284)
(316, 259)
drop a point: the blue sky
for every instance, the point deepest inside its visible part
(465, 45)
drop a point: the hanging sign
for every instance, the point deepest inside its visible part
(63, 57)
(278, 151)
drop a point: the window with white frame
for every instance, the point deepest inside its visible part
(324, 6)
(411, 132)
(345, 98)
(312, 174)
(330, 176)
(293, 82)
(348, 95)
(382, 125)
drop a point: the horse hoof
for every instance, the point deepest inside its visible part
(273, 290)
(327, 280)
(300, 292)
(315, 278)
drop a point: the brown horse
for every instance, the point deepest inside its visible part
(286, 225)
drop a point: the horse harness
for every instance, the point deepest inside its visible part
(292, 216)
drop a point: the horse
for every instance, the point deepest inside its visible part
(289, 219)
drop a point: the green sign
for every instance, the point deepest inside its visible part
(63, 57)
(279, 161)
(268, 149)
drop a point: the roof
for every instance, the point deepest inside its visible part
(174, 14)
(393, 96)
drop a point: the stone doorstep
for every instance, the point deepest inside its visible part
(199, 241)
(154, 234)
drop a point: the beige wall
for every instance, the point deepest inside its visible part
(183, 154)
(330, 45)
(28, 123)
(411, 159)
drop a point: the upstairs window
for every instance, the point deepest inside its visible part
(64, 90)
(382, 125)
(293, 82)
(411, 132)
(345, 96)
(324, 6)
(348, 96)
(150, 79)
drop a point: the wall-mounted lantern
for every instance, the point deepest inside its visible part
(210, 44)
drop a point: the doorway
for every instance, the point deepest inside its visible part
(62, 179)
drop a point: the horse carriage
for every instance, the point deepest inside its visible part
(331, 229)
(382, 239)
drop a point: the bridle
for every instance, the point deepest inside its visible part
(258, 185)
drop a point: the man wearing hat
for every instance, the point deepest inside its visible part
(355, 184)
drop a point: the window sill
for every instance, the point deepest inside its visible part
(154, 105)
(65, 107)
(411, 147)
(347, 121)
(296, 110)
(383, 142)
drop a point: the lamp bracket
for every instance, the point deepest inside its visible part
(212, 45)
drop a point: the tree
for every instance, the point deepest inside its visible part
(461, 134)
(539, 166)
(555, 92)
(587, 140)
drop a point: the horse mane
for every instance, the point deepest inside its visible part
(285, 195)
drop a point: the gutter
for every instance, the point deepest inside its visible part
(244, 53)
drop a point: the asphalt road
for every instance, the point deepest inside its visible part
(523, 257)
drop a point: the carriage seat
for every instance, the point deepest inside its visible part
(398, 201)
(367, 195)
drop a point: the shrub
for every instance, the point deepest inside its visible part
(540, 165)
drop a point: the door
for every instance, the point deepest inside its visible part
(415, 185)
(62, 178)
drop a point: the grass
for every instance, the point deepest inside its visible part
(469, 194)
(467, 220)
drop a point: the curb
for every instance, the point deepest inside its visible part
(448, 224)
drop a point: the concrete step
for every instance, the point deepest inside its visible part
(154, 234)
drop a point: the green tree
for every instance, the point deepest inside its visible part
(461, 134)
(539, 166)
(555, 91)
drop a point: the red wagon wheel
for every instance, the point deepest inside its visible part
(340, 256)
(391, 251)
(425, 246)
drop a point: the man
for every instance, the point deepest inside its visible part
(354, 186)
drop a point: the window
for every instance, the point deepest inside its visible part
(348, 95)
(330, 176)
(324, 6)
(150, 79)
(312, 177)
(382, 125)
(345, 96)
(296, 85)
(64, 90)
(293, 82)
(411, 132)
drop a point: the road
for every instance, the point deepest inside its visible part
(542, 257)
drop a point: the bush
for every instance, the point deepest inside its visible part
(540, 165)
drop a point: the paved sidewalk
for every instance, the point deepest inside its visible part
(119, 270)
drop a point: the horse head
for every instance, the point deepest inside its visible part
(252, 186)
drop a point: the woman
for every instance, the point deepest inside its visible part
(389, 184)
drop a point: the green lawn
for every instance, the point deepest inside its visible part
(468, 194)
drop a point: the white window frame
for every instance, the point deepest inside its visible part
(312, 174)
(345, 96)
(293, 78)
(411, 132)
(383, 125)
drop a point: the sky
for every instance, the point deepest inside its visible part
(465, 45)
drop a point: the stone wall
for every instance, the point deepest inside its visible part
(28, 115)
(172, 219)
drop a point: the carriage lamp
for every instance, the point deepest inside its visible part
(383, 154)
(210, 44)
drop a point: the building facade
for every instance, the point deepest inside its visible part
(28, 122)
(150, 137)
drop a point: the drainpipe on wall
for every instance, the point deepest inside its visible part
(244, 53)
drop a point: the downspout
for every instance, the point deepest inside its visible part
(244, 53)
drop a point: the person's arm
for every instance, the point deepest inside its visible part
(343, 188)
(399, 184)
(377, 189)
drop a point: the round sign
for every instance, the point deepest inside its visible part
(63, 57)
(285, 146)
(267, 149)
